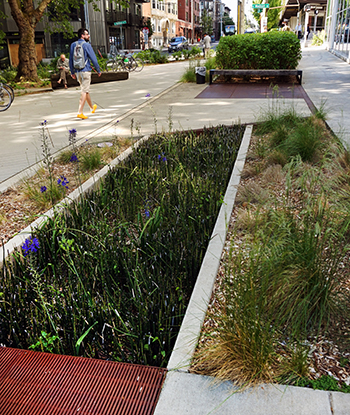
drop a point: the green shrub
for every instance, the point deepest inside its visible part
(152, 56)
(271, 50)
(8, 75)
(177, 55)
(195, 51)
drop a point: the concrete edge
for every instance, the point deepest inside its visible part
(89, 185)
(191, 326)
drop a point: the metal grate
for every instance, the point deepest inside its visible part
(43, 383)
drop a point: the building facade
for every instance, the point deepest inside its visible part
(112, 24)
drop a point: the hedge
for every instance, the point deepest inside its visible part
(271, 50)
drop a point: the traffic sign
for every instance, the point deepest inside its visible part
(119, 23)
(261, 6)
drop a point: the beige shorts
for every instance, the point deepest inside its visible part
(84, 79)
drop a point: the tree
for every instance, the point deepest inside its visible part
(207, 23)
(27, 16)
(272, 15)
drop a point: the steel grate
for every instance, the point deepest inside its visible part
(34, 383)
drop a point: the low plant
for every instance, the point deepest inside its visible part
(90, 160)
(152, 56)
(177, 55)
(318, 38)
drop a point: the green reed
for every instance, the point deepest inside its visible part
(117, 269)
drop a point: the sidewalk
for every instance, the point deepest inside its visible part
(154, 101)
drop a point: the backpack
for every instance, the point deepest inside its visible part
(78, 56)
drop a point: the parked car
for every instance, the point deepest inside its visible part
(177, 43)
(249, 30)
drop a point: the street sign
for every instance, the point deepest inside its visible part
(119, 23)
(261, 6)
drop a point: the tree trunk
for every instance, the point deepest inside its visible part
(26, 18)
(27, 69)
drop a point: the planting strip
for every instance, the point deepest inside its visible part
(90, 184)
(191, 326)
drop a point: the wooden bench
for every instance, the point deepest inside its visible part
(256, 72)
(95, 79)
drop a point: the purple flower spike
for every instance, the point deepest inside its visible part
(43, 189)
(147, 95)
(74, 158)
(147, 213)
(30, 245)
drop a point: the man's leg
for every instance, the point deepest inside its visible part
(83, 98)
(92, 107)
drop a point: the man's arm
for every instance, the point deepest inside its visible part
(91, 55)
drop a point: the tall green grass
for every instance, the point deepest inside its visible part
(114, 273)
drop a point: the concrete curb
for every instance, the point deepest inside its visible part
(192, 323)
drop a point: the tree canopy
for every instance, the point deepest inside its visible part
(207, 23)
(272, 15)
(27, 14)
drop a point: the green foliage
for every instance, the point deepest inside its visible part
(152, 56)
(44, 70)
(46, 343)
(207, 22)
(319, 38)
(325, 382)
(272, 15)
(8, 75)
(127, 256)
(90, 160)
(177, 55)
(195, 52)
(148, 23)
(271, 50)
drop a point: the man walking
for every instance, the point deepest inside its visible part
(80, 68)
(206, 42)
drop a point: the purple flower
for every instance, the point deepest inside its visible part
(44, 123)
(30, 245)
(43, 189)
(147, 213)
(162, 157)
(74, 158)
(63, 181)
(147, 95)
(73, 132)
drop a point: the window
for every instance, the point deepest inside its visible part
(153, 22)
(154, 4)
(169, 7)
(186, 16)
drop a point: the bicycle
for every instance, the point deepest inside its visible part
(124, 62)
(7, 96)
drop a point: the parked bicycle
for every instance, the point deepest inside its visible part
(7, 96)
(124, 62)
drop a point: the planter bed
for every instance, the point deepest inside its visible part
(113, 274)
